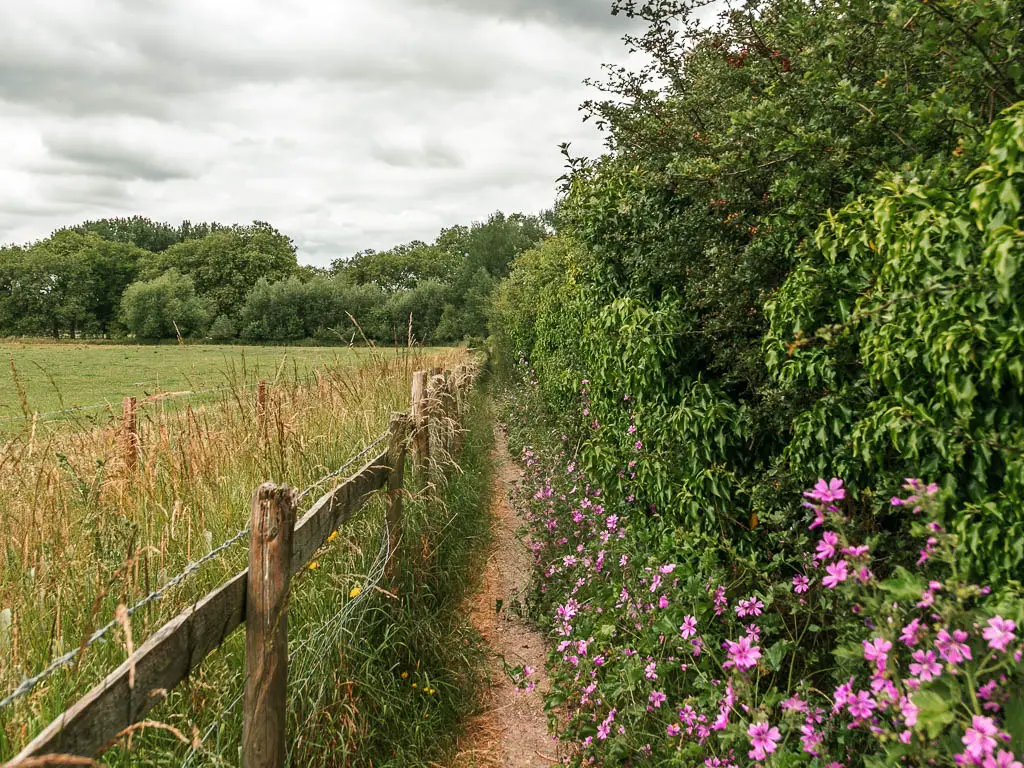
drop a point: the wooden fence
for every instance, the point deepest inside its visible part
(279, 547)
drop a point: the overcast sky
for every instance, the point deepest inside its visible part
(348, 124)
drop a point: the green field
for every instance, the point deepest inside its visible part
(61, 376)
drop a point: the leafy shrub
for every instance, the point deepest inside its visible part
(164, 307)
(799, 257)
(674, 650)
(222, 329)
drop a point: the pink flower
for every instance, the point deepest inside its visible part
(909, 710)
(843, 695)
(980, 737)
(999, 632)
(836, 574)
(689, 627)
(908, 635)
(925, 665)
(794, 704)
(800, 583)
(672, 729)
(657, 698)
(877, 650)
(861, 706)
(827, 492)
(751, 607)
(953, 649)
(763, 740)
(742, 654)
(810, 739)
(827, 546)
(663, 602)
(1004, 759)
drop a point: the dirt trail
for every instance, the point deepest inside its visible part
(511, 732)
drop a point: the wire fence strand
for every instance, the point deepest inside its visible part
(29, 683)
(62, 661)
(156, 399)
(340, 470)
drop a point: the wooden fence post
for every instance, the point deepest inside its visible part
(130, 435)
(460, 380)
(435, 420)
(398, 435)
(261, 407)
(421, 432)
(451, 417)
(266, 627)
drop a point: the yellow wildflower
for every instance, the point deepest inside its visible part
(354, 592)
(333, 536)
(405, 675)
(414, 685)
(314, 565)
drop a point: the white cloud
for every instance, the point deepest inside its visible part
(347, 125)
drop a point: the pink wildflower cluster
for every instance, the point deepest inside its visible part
(652, 657)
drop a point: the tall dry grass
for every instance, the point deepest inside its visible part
(81, 532)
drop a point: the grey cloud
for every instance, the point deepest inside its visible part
(593, 14)
(94, 156)
(151, 67)
(432, 154)
(347, 125)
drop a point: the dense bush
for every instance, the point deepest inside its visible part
(798, 258)
(670, 649)
(165, 306)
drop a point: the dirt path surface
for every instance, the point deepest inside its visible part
(511, 732)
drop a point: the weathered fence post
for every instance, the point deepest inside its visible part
(451, 416)
(266, 627)
(130, 435)
(261, 407)
(460, 379)
(421, 431)
(398, 435)
(435, 416)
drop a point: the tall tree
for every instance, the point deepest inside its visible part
(226, 264)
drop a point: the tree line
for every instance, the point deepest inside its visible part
(134, 277)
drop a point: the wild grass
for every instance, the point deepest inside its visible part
(387, 684)
(81, 533)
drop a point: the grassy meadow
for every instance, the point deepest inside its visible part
(82, 533)
(49, 376)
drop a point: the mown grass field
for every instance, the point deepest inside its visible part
(57, 376)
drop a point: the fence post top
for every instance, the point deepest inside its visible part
(269, 490)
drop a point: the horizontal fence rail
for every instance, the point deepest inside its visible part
(280, 546)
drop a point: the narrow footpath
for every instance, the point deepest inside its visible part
(511, 731)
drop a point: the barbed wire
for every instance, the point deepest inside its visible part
(376, 574)
(62, 661)
(75, 409)
(310, 488)
(147, 401)
(28, 684)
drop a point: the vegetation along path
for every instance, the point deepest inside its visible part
(512, 728)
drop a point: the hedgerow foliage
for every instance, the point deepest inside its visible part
(799, 260)
(798, 257)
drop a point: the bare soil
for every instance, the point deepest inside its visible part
(511, 729)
